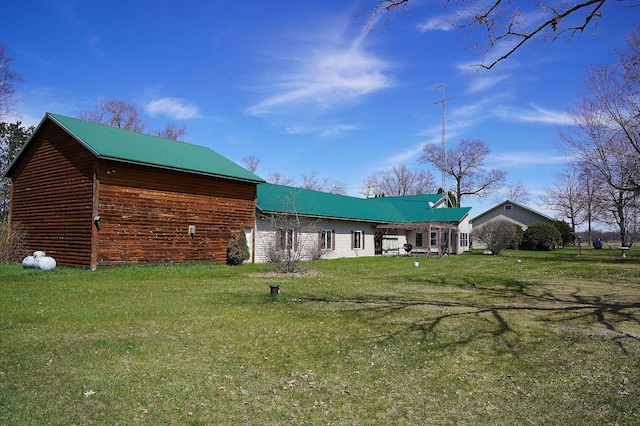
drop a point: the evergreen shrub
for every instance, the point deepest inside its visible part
(238, 249)
(541, 236)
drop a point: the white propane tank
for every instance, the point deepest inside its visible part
(46, 263)
(29, 262)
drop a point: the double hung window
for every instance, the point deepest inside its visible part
(286, 238)
(326, 240)
(357, 238)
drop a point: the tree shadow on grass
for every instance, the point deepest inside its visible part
(572, 313)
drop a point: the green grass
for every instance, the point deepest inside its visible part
(471, 339)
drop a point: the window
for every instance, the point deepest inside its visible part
(419, 239)
(326, 240)
(286, 239)
(508, 207)
(434, 238)
(464, 239)
(357, 240)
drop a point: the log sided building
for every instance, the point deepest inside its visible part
(92, 195)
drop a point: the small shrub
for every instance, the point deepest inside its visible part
(566, 234)
(12, 248)
(238, 249)
(541, 236)
(496, 234)
(315, 252)
(517, 241)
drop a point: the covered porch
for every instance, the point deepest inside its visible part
(427, 239)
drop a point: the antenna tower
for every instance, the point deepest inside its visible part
(443, 101)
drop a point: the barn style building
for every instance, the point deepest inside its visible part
(92, 195)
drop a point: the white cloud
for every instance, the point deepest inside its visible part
(486, 82)
(525, 158)
(173, 107)
(405, 156)
(441, 23)
(331, 74)
(323, 132)
(533, 115)
(337, 130)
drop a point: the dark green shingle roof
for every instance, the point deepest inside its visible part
(123, 145)
(286, 199)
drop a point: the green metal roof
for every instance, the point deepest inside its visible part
(413, 207)
(286, 199)
(132, 147)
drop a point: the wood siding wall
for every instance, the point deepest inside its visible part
(52, 196)
(145, 214)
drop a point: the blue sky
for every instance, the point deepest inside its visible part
(302, 86)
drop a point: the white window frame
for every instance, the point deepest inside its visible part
(326, 239)
(433, 239)
(464, 239)
(357, 240)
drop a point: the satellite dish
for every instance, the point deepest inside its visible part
(430, 204)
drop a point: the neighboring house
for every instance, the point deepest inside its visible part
(92, 195)
(511, 211)
(343, 226)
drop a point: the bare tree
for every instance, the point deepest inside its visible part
(630, 57)
(564, 196)
(250, 162)
(511, 24)
(115, 113)
(590, 198)
(8, 78)
(314, 183)
(280, 179)
(295, 238)
(171, 132)
(465, 163)
(123, 115)
(400, 180)
(605, 135)
(516, 192)
(624, 211)
(497, 234)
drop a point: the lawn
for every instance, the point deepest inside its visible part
(522, 338)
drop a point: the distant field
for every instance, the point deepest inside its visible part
(522, 338)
